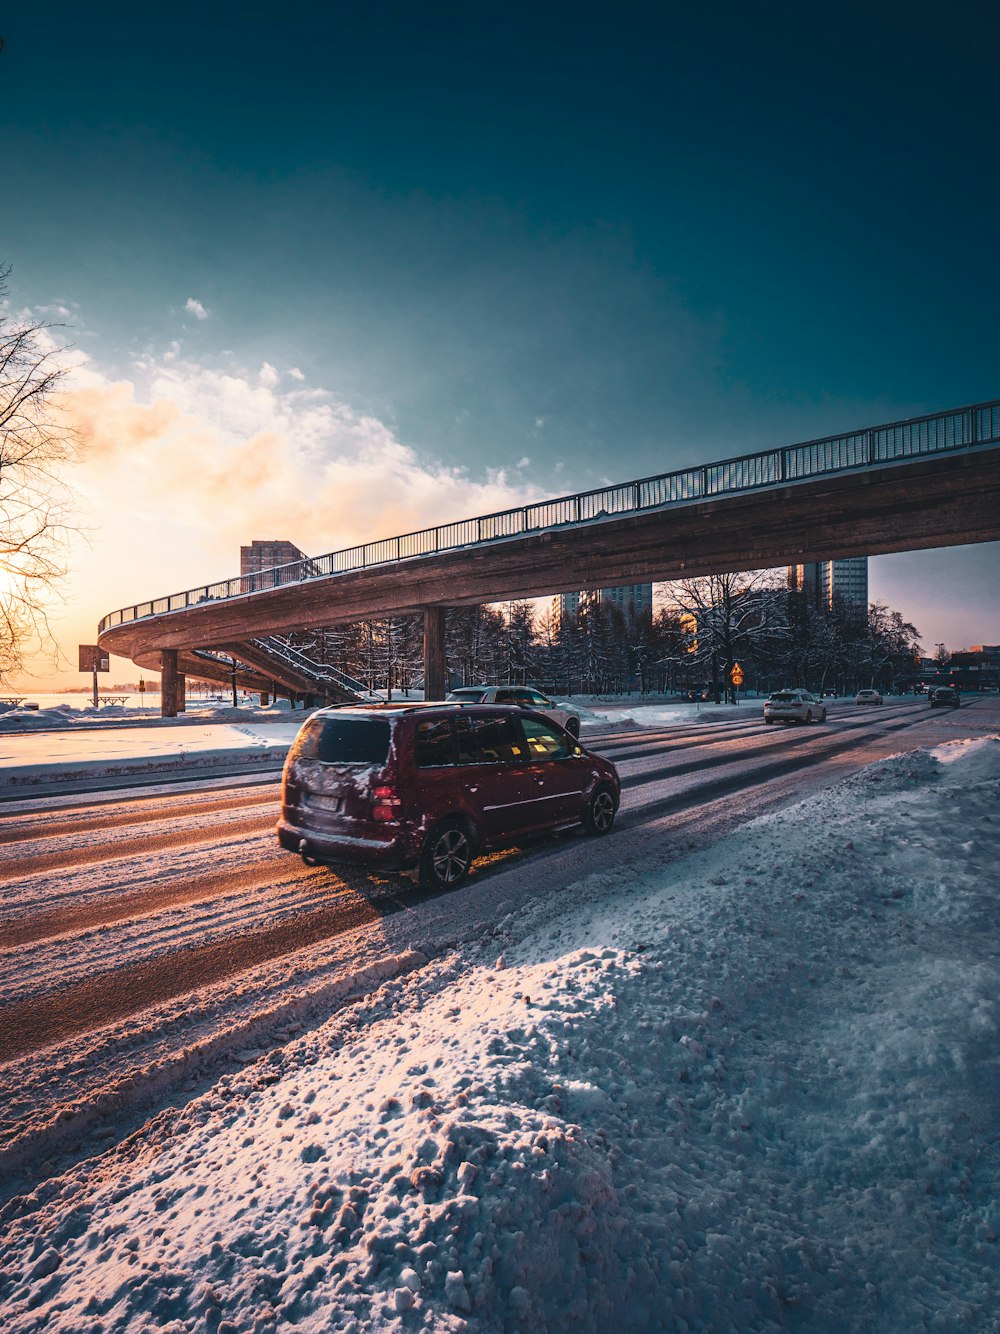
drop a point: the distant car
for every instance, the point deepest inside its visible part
(944, 697)
(524, 697)
(868, 697)
(794, 706)
(429, 786)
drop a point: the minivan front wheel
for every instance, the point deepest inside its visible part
(600, 813)
(446, 857)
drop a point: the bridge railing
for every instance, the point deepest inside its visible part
(916, 437)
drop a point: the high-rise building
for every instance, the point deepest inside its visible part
(637, 596)
(824, 580)
(565, 606)
(265, 555)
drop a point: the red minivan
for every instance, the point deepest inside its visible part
(398, 786)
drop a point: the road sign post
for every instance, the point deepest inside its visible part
(93, 659)
(736, 677)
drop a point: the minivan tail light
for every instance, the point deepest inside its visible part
(387, 804)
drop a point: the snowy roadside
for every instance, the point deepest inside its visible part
(56, 750)
(64, 747)
(31, 760)
(756, 1090)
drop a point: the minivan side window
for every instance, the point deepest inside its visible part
(434, 743)
(485, 740)
(545, 742)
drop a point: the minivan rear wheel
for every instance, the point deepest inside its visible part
(447, 856)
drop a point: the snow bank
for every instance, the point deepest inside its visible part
(29, 720)
(27, 761)
(678, 713)
(758, 1092)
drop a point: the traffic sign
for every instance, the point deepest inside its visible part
(736, 674)
(93, 659)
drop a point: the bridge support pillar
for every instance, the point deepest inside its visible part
(168, 683)
(434, 664)
(181, 693)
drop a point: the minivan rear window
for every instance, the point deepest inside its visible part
(343, 741)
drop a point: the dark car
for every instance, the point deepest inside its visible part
(944, 696)
(430, 786)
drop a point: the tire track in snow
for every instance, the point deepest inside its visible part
(826, 740)
(41, 825)
(140, 903)
(740, 776)
(42, 1021)
(46, 966)
(131, 845)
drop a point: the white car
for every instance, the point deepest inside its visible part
(868, 697)
(794, 706)
(525, 697)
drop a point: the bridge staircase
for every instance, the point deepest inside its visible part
(277, 660)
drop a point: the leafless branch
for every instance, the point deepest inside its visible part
(37, 444)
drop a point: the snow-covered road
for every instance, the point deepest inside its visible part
(734, 1073)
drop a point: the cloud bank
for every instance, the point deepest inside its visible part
(231, 456)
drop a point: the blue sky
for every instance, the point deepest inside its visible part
(504, 248)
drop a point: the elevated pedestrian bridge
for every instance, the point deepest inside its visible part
(924, 482)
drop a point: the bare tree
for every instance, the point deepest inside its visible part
(725, 615)
(35, 445)
(890, 645)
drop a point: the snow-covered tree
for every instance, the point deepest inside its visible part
(725, 618)
(35, 447)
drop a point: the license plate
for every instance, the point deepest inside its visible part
(321, 803)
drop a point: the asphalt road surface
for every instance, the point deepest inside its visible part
(150, 943)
